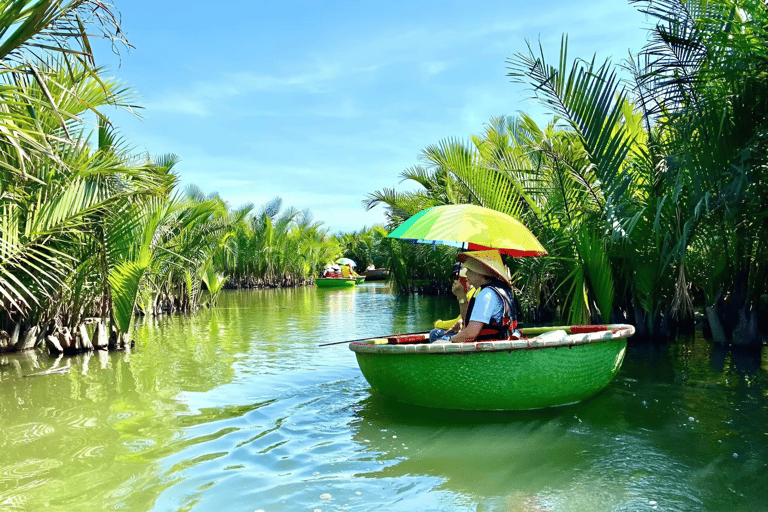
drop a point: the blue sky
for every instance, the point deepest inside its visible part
(322, 102)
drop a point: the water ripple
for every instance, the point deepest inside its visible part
(239, 409)
(29, 432)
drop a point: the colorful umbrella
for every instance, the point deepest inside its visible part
(472, 228)
(346, 261)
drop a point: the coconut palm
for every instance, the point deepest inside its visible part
(624, 201)
(631, 188)
(274, 247)
(541, 178)
(53, 209)
(365, 247)
(30, 32)
(50, 184)
(180, 237)
(704, 83)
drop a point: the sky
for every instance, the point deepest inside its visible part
(321, 103)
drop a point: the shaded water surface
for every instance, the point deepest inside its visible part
(240, 409)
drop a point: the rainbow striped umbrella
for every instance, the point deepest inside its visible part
(472, 228)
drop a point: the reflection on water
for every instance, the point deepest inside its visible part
(240, 409)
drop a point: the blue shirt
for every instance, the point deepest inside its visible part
(488, 305)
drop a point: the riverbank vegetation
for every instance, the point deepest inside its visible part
(274, 247)
(366, 247)
(91, 234)
(649, 192)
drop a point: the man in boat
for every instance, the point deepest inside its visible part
(491, 314)
(463, 291)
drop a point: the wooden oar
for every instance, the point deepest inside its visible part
(373, 337)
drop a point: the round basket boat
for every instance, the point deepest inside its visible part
(553, 366)
(335, 282)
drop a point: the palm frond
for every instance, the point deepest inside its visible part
(591, 98)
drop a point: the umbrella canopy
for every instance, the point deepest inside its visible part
(470, 227)
(346, 261)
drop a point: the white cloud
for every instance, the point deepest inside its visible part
(355, 107)
(203, 98)
(328, 70)
(197, 106)
(435, 68)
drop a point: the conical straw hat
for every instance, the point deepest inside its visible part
(487, 263)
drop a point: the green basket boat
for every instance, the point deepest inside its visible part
(335, 282)
(552, 366)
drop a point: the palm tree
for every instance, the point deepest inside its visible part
(53, 207)
(31, 31)
(365, 247)
(645, 193)
(274, 247)
(703, 82)
(683, 168)
(49, 182)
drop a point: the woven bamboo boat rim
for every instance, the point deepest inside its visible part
(613, 331)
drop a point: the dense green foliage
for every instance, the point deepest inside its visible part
(366, 247)
(648, 193)
(90, 231)
(274, 247)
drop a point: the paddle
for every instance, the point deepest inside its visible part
(372, 337)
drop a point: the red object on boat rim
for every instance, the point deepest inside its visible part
(582, 329)
(406, 338)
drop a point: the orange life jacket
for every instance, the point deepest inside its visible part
(497, 330)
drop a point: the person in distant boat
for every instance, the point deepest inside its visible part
(491, 314)
(331, 271)
(463, 291)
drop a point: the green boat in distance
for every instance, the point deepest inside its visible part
(552, 366)
(335, 282)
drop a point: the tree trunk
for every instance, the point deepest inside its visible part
(53, 345)
(746, 332)
(123, 341)
(660, 325)
(29, 339)
(65, 339)
(101, 335)
(718, 332)
(641, 324)
(41, 334)
(85, 340)
(15, 335)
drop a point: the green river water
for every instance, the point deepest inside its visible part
(239, 409)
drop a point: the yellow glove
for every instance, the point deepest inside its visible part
(446, 324)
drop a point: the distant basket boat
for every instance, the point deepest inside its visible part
(335, 282)
(553, 366)
(376, 274)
